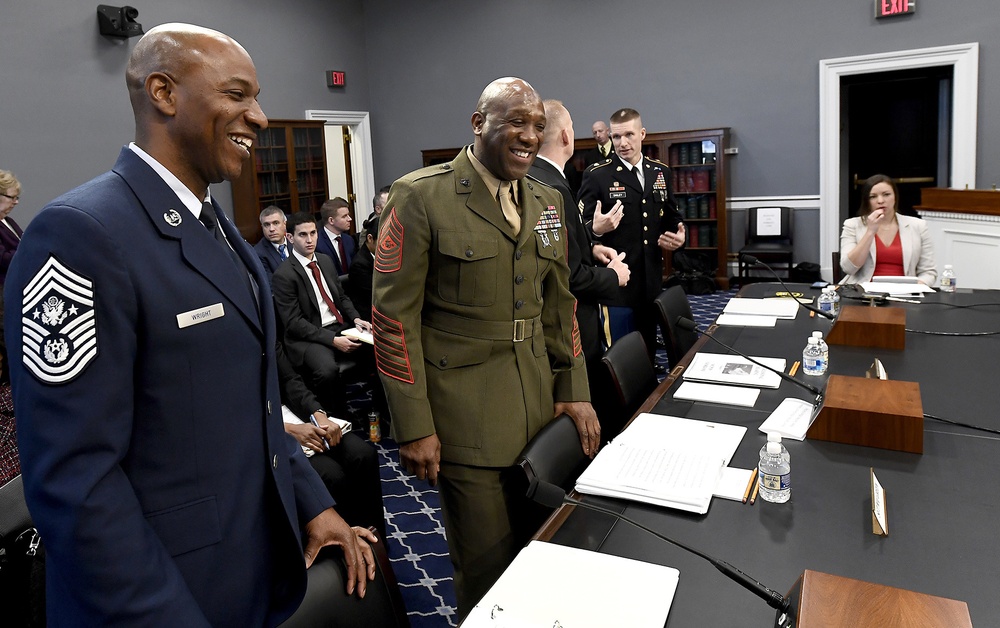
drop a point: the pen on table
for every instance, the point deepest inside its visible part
(312, 419)
(746, 493)
(756, 487)
(794, 369)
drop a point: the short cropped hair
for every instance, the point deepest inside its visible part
(269, 210)
(299, 218)
(382, 190)
(329, 209)
(624, 115)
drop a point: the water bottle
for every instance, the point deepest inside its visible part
(374, 429)
(824, 350)
(948, 279)
(812, 358)
(825, 302)
(774, 471)
(835, 298)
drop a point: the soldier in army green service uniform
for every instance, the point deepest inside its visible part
(475, 334)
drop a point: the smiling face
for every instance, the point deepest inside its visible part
(509, 126)
(627, 137)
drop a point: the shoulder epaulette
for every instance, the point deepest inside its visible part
(429, 171)
(535, 179)
(657, 161)
(598, 164)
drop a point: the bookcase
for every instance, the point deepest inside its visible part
(287, 168)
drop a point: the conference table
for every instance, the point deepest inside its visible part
(943, 506)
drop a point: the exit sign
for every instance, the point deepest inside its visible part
(892, 8)
(335, 78)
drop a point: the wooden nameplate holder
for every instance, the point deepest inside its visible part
(859, 326)
(820, 600)
(871, 412)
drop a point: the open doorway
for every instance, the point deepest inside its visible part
(356, 159)
(963, 59)
(896, 123)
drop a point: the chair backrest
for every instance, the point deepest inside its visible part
(784, 225)
(672, 304)
(554, 455)
(836, 270)
(632, 373)
(327, 604)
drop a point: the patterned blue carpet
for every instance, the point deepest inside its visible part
(416, 544)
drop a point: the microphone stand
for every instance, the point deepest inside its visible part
(753, 261)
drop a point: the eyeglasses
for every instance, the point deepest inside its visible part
(13, 198)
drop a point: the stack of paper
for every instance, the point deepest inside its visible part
(719, 368)
(792, 419)
(785, 308)
(897, 289)
(576, 587)
(664, 460)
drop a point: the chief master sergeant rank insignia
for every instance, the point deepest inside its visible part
(59, 336)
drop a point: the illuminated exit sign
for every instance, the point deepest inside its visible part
(892, 8)
(335, 78)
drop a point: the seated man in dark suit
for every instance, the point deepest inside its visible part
(273, 248)
(359, 287)
(314, 310)
(334, 236)
(346, 463)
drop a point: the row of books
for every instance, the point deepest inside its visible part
(702, 235)
(692, 207)
(690, 154)
(686, 181)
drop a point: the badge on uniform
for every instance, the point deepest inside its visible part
(548, 221)
(616, 191)
(660, 187)
(58, 324)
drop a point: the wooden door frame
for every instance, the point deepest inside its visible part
(964, 58)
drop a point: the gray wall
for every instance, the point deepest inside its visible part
(64, 111)
(752, 66)
(418, 67)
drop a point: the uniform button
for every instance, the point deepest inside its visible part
(645, 215)
(645, 228)
(269, 406)
(643, 201)
(443, 361)
(468, 252)
(518, 254)
(519, 279)
(645, 241)
(661, 213)
(519, 304)
(274, 461)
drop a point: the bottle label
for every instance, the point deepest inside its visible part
(826, 306)
(776, 482)
(812, 364)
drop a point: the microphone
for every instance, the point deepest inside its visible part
(552, 496)
(753, 261)
(690, 325)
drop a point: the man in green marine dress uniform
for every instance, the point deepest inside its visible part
(475, 333)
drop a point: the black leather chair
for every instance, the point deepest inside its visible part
(772, 249)
(327, 604)
(554, 455)
(671, 304)
(632, 374)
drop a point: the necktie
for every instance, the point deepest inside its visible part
(281, 252)
(604, 151)
(637, 171)
(207, 218)
(314, 267)
(344, 262)
(508, 207)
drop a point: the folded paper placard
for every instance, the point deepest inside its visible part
(880, 521)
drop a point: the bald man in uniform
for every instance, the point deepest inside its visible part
(156, 466)
(475, 336)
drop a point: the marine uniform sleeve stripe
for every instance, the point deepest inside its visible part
(391, 355)
(577, 343)
(389, 256)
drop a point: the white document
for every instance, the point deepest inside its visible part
(581, 589)
(719, 368)
(768, 221)
(733, 483)
(363, 336)
(715, 393)
(896, 289)
(745, 320)
(783, 308)
(895, 279)
(792, 419)
(663, 460)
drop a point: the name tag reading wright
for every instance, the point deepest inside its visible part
(200, 315)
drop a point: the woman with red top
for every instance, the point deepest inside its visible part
(880, 241)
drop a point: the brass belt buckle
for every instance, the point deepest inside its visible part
(519, 326)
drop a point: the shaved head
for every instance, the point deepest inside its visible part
(508, 123)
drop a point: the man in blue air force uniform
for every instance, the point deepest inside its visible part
(162, 482)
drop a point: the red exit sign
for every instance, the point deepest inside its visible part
(892, 8)
(335, 78)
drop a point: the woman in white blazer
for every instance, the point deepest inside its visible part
(877, 218)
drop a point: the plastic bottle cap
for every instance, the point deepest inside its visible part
(818, 335)
(774, 448)
(813, 340)
(947, 266)
(773, 437)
